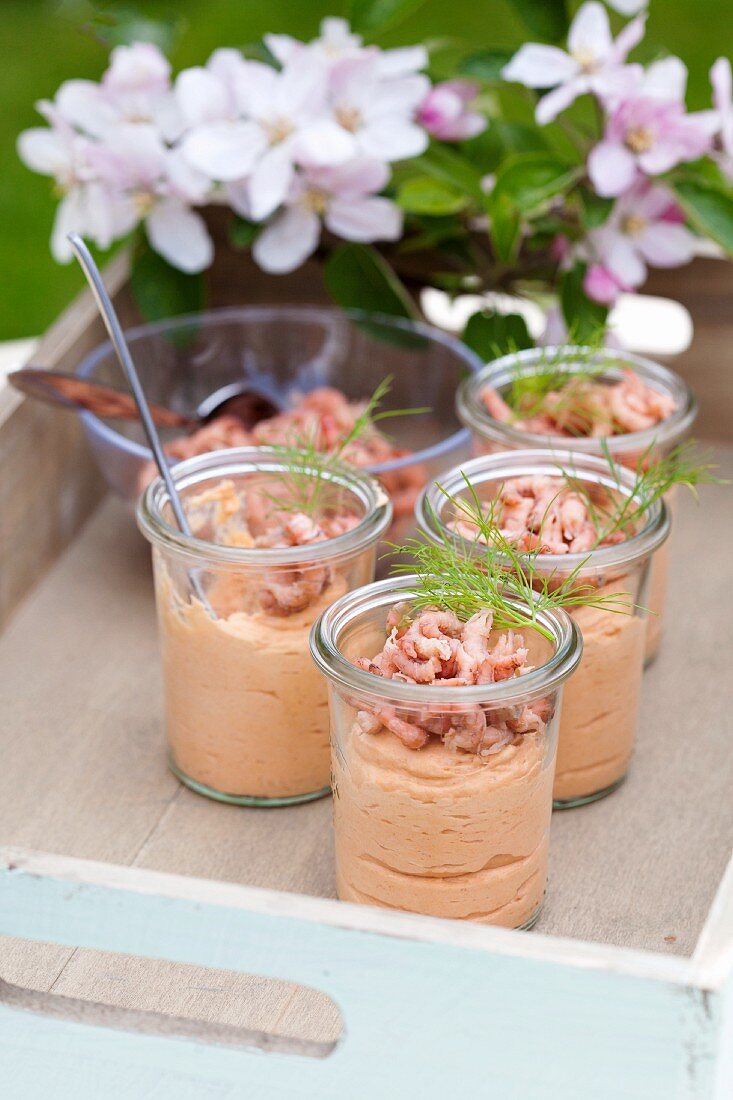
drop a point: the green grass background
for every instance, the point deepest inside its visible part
(40, 47)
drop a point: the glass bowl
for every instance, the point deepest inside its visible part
(283, 351)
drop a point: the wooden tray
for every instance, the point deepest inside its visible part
(120, 977)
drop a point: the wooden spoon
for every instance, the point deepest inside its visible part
(71, 392)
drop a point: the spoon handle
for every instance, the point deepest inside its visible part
(116, 335)
(71, 392)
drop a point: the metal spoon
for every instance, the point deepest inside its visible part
(112, 324)
(69, 391)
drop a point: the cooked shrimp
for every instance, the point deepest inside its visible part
(636, 406)
(496, 406)
(289, 591)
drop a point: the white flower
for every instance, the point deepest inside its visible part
(337, 41)
(344, 197)
(88, 206)
(218, 141)
(720, 78)
(135, 88)
(379, 114)
(594, 62)
(160, 186)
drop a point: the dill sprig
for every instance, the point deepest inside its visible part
(494, 574)
(623, 510)
(308, 470)
(527, 391)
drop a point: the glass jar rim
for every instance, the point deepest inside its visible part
(235, 461)
(326, 652)
(499, 372)
(506, 464)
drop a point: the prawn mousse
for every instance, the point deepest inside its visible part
(444, 808)
(246, 712)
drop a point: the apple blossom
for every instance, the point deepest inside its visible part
(594, 62)
(445, 111)
(135, 88)
(645, 136)
(88, 206)
(628, 7)
(720, 78)
(159, 186)
(337, 41)
(344, 197)
(378, 114)
(643, 228)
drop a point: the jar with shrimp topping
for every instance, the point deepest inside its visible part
(589, 534)
(583, 400)
(273, 544)
(444, 734)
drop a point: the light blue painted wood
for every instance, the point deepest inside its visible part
(424, 1017)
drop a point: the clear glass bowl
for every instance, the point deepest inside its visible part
(283, 351)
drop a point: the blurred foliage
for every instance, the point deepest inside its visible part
(44, 42)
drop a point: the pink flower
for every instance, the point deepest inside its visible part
(601, 286)
(647, 136)
(444, 112)
(641, 229)
(720, 78)
(344, 197)
(594, 62)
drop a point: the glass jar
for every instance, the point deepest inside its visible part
(600, 707)
(437, 830)
(490, 435)
(246, 712)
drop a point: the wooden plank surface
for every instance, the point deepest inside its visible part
(84, 774)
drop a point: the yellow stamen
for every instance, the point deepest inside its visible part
(639, 140)
(586, 59)
(633, 224)
(278, 130)
(315, 200)
(350, 118)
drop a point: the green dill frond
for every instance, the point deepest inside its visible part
(494, 574)
(308, 470)
(624, 509)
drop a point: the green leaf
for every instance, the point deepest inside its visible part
(545, 18)
(489, 149)
(422, 195)
(493, 334)
(583, 317)
(368, 16)
(709, 210)
(452, 168)
(485, 64)
(357, 277)
(161, 290)
(242, 232)
(122, 26)
(529, 180)
(595, 209)
(505, 227)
